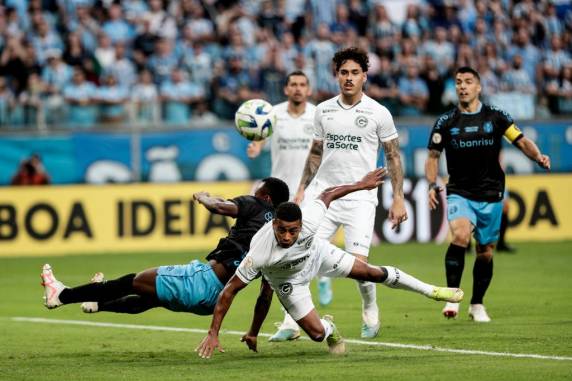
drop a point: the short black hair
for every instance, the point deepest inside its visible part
(289, 212)
(468, 69)
(355, 54)
(277, 190)
(296, 73)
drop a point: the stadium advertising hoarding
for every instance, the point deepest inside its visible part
(110, 218)
(130, 218)
(220, 154)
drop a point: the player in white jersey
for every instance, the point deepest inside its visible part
(288, 254)
(349, 131)
(293, 131)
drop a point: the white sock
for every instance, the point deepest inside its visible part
(288, 322)
(328, 329)
(370, 311)
(401, 280)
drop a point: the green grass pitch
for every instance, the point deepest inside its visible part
(530, 302)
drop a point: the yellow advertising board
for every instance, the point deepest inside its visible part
(540, 207)
(111, 218)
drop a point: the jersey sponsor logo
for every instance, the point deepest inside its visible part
(285, 289)
(291, 265)
(472, 129)
(364, 112)
(455, 131)
(488, 127)
(349, 142)
(436, 138)
(472, 143)
(361, 121)
(327, 110)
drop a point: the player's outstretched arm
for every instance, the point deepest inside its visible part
(310, 169)
(216, 205)
(530, 149)
(254, 149)
(397, 212)
(431, 173)
(260, 312)
(225, 298)
(370, 181)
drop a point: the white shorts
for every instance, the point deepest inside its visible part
(357, 217)
(330, 261)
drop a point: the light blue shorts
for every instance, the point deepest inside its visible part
(485, 216)
(189, 288)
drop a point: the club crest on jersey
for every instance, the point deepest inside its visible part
(488, 127)
(285, 289)
(361, 121)
(436, 138)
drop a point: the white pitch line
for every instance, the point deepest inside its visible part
(239, 333)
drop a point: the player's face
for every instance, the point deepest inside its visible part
(286, 233)
(468, 88)
(351, 78)
(297, 89)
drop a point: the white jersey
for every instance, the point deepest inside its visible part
(279, 265)
(290, 144)
(352, 137)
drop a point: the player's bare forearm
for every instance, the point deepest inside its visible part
(394, 167)
(312, 163)
(216, 205)
(261, 308)
(531, 150)
(432, 166)
(224, 302)
(371, 180)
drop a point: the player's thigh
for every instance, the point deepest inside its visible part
(329, 226)
(489, 215)
(334, 262)
(358, 218)
(462, 217)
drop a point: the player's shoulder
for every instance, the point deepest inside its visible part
(371, 105)
(445, 118)
(329, 105)
(497, 111)
(281, 107)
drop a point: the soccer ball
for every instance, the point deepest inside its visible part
(255, 119)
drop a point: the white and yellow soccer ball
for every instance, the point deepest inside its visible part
(255, 119)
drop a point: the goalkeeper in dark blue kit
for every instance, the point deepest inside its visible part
(471, 135)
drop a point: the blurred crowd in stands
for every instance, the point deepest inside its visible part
(84, 62)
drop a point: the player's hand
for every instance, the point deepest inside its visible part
(299, 197)
(207, 346)
(250, 341)
(397, 213)
(198, 195)
(373, 179)
(253, 150)
(544, 162)
(434, 197)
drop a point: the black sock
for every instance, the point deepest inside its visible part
(502, 231)
(482, 275)
(454, 264)
(99, 292)
(131, 304)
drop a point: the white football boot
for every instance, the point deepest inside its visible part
(52, 287)
(478, 313)
(451, 310)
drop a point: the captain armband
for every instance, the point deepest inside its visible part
(513, 133)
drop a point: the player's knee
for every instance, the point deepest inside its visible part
(486, 255)
(461, 237)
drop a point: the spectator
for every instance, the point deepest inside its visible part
(565, 91)
(413, 92)
(234, 86)
(144, 44)
(441, 50)
(203, 117)
(79, 96)
(31, 172)
(55, 75)
(105, 53)
(163, 61)
(556, 57)
(6, 102)
(177, 96)
(528, 52)
(112, 99)
(116, 28)
(273, 76)
(145, 99)
(86, 27)
(160, 22)
(31, 101)
(383, 86)
(517, 79)
(46, 40)
(123, 68)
